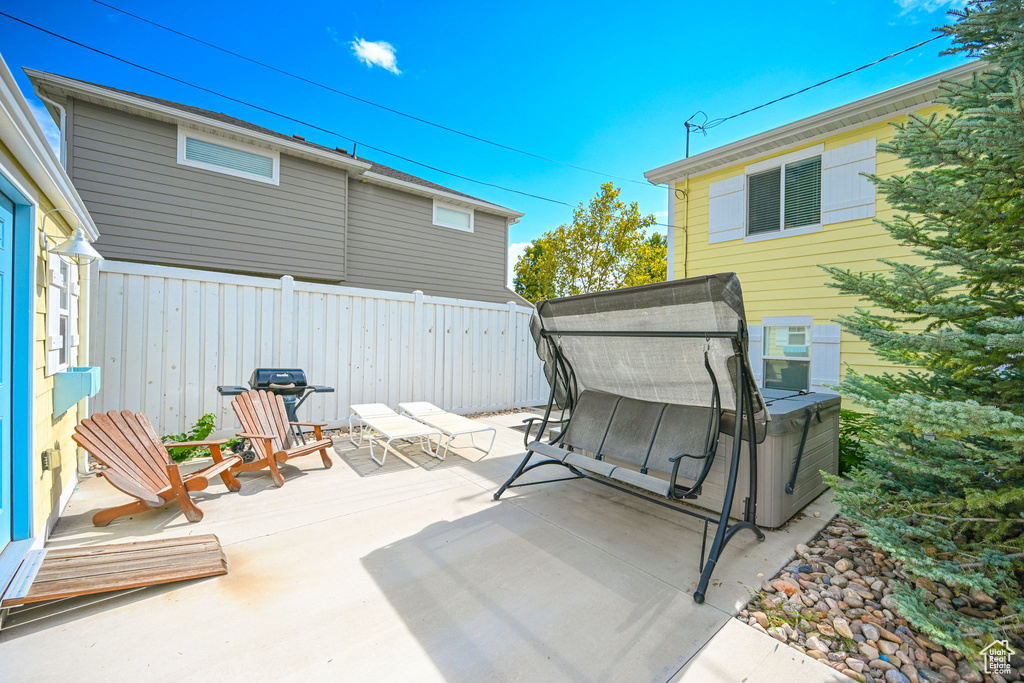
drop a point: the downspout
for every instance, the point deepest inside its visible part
(84, 349)
(63, 125)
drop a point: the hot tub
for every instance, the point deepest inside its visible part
(777, 457)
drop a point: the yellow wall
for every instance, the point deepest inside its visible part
(780, 277)
(49, 432)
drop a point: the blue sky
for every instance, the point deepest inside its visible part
(602, 85)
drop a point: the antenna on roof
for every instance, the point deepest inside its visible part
(689, 126)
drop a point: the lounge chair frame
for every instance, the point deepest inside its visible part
(452, 435)
(726, 530)
(368, 432)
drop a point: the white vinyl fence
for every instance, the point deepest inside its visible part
(166, 337)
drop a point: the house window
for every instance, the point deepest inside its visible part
(787, 196)
(449, 216)
(227, 156)
(786, 355)
(61, 314)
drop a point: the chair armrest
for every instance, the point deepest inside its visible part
(540, 432)
(193, 444)
(308, 424)
(248, 435)
(677, 458)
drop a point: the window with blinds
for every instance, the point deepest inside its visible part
(785, 197)
(207, 152)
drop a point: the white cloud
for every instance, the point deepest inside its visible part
(660, 215)
(514, 252)
(50, 129)
(928, 6)
(377, 53)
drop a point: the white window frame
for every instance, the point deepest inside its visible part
(185, 132)
(57, 343)
(453, 207)
(767, 165)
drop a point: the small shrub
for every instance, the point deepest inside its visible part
(202, 429)
(855, 429)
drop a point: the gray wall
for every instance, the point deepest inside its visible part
(151, 209)
(393, 244)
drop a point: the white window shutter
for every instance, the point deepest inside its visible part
(754, 352)
(54, 341)
(846, 195)
(825, 357)
(726, 209)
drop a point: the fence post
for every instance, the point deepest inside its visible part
(417, 346)
(511, 376)
(286, 332)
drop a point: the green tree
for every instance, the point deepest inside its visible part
(942, 487)
(605, 247)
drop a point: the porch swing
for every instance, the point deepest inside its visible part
(641, 380)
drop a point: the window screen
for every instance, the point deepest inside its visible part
(763, 206)
(803, 192)
(799, 182)
(452, 218)
(213, 154)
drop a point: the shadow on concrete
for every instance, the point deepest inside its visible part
(504, 590)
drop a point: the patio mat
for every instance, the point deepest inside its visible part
(58, 573)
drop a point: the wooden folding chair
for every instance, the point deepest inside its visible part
(265, 423)
(137, 464)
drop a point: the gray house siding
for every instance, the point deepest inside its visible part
(393, 244)
(151, 209)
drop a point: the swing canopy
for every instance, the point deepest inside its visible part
(649, 343)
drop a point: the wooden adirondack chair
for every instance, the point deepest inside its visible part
(265, 423)
(137, 464)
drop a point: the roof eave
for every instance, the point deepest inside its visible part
(451, 197)
(27, 142)
(780, 137)
(100, 95)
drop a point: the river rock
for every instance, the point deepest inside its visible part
(842, 627)
(894, 676)
(870, 632)
(868, 651)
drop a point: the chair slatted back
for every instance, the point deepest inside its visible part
(262, 412)
(126, 443)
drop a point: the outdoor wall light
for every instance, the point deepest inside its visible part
(77, 247)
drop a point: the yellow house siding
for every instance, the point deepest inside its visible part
(780, 276)
(48, 433)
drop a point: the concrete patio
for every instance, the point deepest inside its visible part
(412, 572)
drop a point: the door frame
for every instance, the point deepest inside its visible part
(23, 355)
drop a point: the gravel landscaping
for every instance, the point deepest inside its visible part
(833, 603)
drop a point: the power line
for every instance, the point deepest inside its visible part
(718, 122)
(366, 101)
(278, 114)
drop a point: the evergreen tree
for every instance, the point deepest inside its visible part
(942, 488)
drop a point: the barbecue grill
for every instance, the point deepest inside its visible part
(288, 383)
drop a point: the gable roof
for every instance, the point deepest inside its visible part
(55, 85)
(886, 104)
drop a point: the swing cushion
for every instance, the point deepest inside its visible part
(629, 434)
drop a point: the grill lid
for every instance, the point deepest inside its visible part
(283, 381)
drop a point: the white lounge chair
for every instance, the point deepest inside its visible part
(380, 422)
(449, 424)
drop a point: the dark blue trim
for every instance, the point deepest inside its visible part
(23, 335)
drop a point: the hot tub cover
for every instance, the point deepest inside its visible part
(659, 369)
